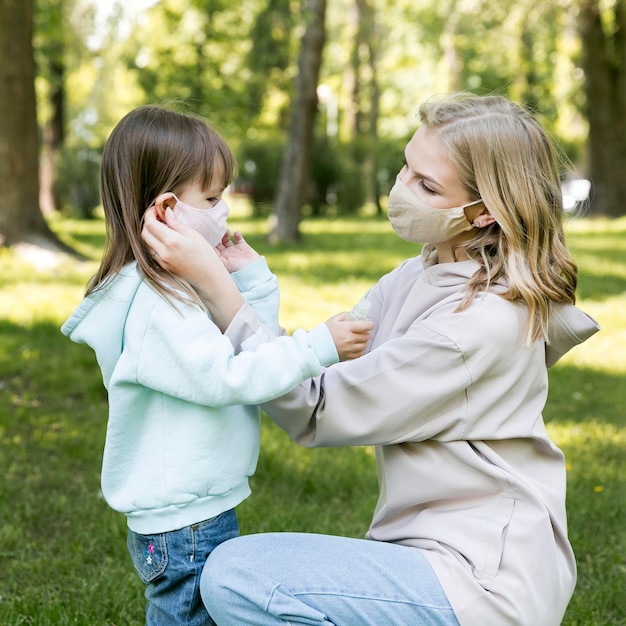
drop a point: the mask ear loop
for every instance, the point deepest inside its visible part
(464, 206)
(482, 220)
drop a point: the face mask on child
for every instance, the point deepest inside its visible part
(210, 223)
(415, 221)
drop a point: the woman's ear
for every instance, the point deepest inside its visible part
(483, 219)
(164, 201)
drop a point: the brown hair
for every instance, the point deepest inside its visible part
(153, 150)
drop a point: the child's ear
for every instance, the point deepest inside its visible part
(164, 201)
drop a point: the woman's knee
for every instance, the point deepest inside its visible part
(214, 587)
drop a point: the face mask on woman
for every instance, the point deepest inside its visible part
(415, 221)
(210, 223)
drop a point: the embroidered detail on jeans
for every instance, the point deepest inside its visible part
(150, 553)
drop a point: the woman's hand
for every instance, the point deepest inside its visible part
(350, 338)
(185, 253)
(176, 247)
(237, 253)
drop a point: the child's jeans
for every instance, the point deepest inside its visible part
(171, 563)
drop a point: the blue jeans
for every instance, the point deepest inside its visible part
(171, 563)
(296, 578)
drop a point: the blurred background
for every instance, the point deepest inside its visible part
(340, 80)
(317, 98)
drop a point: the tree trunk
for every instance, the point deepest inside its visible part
(604, 62)
(372, 40)
(297, 155)
(365, 99)
(53, 134)
(20, 217)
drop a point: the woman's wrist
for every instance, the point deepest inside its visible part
(222, 299)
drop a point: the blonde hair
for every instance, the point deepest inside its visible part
(504, 156)
(153, 150)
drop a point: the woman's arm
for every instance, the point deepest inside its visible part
(185, 253)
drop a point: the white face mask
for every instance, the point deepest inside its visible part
(415, 221)
(210, 223)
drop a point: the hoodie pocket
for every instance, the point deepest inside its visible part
(491, 548)
(149, 555)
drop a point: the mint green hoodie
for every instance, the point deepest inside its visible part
(183, 430)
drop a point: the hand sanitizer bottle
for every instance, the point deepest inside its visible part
(359, 311)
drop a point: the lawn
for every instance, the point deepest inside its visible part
(63, 556)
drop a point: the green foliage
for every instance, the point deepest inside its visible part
(335, 177)
(259, 164)
(77, 180)
(63, 550)
(235, 64)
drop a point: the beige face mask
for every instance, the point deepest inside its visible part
(415, 221)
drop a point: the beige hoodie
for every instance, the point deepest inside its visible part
(453, 401)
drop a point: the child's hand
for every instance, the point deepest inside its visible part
(236, 254)
(350, 337)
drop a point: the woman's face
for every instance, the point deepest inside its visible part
(429, 174)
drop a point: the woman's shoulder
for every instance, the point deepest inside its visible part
(489, 320)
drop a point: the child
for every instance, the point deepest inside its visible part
(183, 434)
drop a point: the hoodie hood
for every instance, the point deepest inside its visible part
(100, 319)
(568, 327)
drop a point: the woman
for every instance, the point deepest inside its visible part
(470, 527)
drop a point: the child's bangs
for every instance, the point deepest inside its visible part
(213, 160)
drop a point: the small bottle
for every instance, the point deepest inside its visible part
(359, 311)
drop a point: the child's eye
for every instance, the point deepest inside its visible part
(213, 200)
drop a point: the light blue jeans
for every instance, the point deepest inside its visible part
(171, 563)
(322, 580)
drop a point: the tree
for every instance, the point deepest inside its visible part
(365, 98)
(49, 18)
(20, 217)
(604, 61)
(191, 52)
(297, 155)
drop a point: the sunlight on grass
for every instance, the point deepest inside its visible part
(581, 436)
(607, 349)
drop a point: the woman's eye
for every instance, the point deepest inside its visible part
(426, 188)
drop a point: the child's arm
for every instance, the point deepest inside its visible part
(253, 277)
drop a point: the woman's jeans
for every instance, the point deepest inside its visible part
(297, 578)
(171, 563)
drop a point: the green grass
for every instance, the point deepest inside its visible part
(63, 557)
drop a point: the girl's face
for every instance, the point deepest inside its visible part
(199, 198)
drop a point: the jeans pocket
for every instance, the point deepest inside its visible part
(149, 555)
